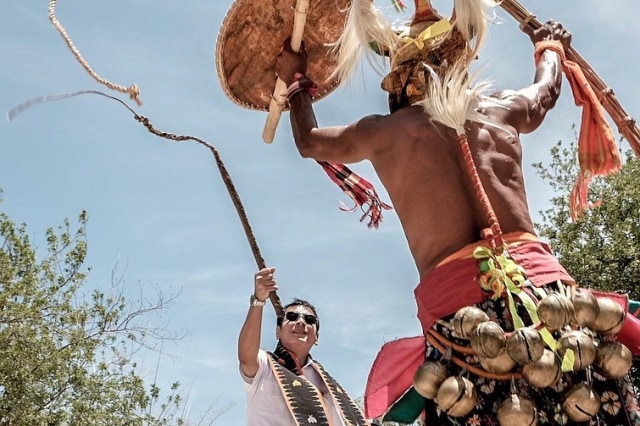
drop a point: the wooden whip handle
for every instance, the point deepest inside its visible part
(278, 98)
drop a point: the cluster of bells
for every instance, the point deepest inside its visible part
(541, 367)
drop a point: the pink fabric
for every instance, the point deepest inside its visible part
(540, 264)
(455, 284)
(447, 289)
(392, 374)
(630, 333)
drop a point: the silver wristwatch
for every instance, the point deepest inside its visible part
(253, 301)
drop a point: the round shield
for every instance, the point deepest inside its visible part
(252, 34)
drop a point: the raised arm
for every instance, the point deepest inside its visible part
(249, 338)
(340, 144)
(529, 106)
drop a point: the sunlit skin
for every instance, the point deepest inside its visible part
(298, 337)
(419, 162)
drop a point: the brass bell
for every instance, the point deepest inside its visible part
(581, 403)
(544, 372)
(488, 339)
(556, 310)
(584, 349)
(610, 319)
(613, 359)
(428, 378)
(525, 345)
(586, 307)
(499, 364)
(517, 411)
(466, 319)
(456, 396)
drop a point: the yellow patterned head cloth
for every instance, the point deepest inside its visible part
(430, 40)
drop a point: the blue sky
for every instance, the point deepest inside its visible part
(160, 211)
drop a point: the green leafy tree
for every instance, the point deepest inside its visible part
(601, 250)
(67, 357)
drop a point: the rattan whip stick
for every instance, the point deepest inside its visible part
(278, 99)
(626, 124)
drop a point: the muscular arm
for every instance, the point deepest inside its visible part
(529, 106)
(340, 144)
(343, 144)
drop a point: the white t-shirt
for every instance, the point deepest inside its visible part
(265, 403)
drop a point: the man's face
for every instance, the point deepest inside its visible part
(299, 329)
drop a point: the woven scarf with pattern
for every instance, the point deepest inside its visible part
(360, 190)
(303, 399)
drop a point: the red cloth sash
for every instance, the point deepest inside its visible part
(454, 284)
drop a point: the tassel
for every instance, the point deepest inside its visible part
(598, 153)
(360, 190)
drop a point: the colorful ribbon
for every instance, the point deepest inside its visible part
(432, 31)
(399, 5)
(502, 276)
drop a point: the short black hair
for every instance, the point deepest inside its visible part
(300, 302)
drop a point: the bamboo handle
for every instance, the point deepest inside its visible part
(279, 93)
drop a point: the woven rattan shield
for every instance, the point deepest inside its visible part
(252, 35)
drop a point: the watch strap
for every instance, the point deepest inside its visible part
(254, 301)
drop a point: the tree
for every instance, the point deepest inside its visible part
(601, 250)
(66, 358)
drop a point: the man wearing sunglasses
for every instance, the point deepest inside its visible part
(287, 386)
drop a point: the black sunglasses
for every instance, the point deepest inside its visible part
(307, 318)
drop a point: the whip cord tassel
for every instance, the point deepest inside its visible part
(133, 90)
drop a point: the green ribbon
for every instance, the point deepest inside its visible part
(501, 275)
(568, 361)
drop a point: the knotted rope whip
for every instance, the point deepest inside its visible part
(133, 91)
(226, 178)
(626, 124)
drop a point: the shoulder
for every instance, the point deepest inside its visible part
(504, 94)
(404, 116)
(505, 99)
(508, 106)
(263, 357)
(407, 122)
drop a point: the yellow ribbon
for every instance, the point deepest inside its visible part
(432, 31)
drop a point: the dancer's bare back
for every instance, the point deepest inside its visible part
(420, 162)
